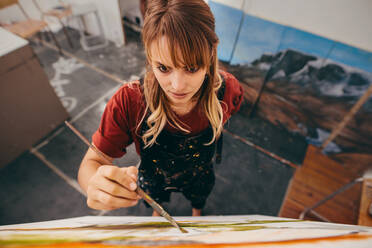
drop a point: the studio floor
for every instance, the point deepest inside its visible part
(41, 183)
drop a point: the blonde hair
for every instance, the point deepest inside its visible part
(189, 28)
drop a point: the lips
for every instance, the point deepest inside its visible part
(178, 95)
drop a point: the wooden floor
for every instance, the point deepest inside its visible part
(318, 177)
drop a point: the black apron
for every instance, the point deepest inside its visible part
(179, 163)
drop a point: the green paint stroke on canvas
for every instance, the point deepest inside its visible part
(20, 239)
(247, 228)
(190, 225)
(149, 225)
(271, 221)
(33, 240)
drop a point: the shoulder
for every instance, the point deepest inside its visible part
(228, 77)
(233, 96)
(118, 120)
(129, 92)
(128, 96)
(232, 84)
(127, 102)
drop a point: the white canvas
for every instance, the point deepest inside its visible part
(242, 231)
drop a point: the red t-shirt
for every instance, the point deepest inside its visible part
(123, 112)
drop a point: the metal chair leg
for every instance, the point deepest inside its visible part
(338, 191)
(79, 11)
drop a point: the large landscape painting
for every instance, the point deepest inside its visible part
(310, 95)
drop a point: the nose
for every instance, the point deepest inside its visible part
(178, 81)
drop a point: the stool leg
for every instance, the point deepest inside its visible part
(40, 38)
(66, 33)
(47, 37)
(55, 41)
(84, 36)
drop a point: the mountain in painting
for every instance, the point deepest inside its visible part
(310, 95)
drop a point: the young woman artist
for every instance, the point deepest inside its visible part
(174, 116)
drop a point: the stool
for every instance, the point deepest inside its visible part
(80, 10)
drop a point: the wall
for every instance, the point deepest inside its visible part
(340, 20)
(131, 10)
(241, 30)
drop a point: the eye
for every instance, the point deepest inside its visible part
(192, 69)
(163, 68)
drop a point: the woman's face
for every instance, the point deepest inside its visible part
(179, 84)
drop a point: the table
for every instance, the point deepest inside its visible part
(29, 107)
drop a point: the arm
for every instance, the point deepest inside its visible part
(107, 187)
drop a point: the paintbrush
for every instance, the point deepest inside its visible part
(156, 206)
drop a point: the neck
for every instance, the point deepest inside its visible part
(183, 109)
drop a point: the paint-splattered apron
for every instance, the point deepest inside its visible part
(180, 163)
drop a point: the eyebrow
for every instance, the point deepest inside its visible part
(159, 63)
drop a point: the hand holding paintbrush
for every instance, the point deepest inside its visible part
(111, 187)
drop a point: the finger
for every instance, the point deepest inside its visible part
(115, 189)
(118, 175)
(97, 205)
(133, 172)
(94, 203)
(113, 202)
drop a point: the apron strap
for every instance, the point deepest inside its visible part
(218, 158)
(220, 95)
